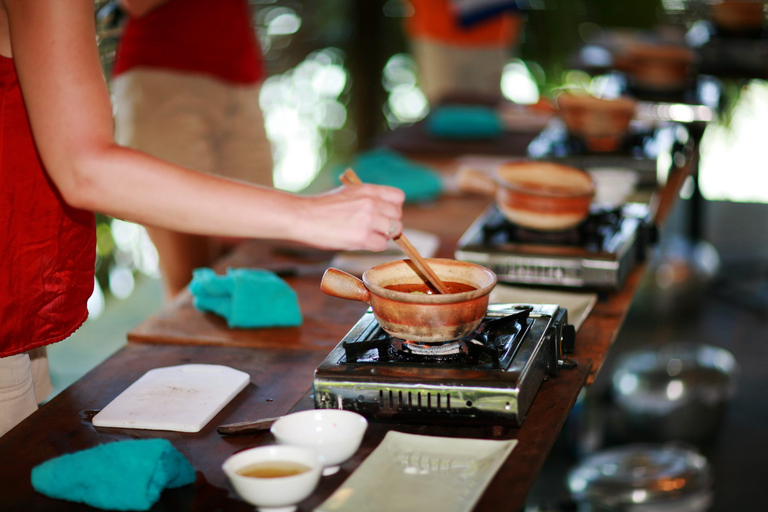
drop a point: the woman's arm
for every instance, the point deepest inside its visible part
(53, 45)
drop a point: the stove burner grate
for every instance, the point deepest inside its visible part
(591, 234)
(491, 345)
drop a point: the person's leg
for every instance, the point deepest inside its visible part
(445, 69)
(41, 376)
(17, 391)
(171, 116)
(180, 254)
(244, 151)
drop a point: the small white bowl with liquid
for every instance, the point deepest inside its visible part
(274, 478)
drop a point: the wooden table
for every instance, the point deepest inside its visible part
(281, 364)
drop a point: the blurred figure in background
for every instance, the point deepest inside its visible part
(185, 84)
(461, 46)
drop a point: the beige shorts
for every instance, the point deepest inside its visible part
(191, 120)
(444, 68)
(24, 383)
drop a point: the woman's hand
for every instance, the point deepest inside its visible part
(351, 218)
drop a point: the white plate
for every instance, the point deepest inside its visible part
(412, 473)
(578, 305)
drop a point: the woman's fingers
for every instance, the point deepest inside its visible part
(357, 217)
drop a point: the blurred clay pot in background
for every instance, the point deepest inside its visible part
(741, 16)
(538, 195)
(658, 67)
(601, 123)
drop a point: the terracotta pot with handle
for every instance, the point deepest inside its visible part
(602, 123)
(658, 67)
(537, 195)
(738, 16)
(418, 316)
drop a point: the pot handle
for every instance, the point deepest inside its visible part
(475, 181)
(337, 283)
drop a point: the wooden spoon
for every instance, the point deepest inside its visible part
(350, 178)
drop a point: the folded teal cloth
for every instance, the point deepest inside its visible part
(246, 297)
(124, 475)
(464, 122)
(387, 167)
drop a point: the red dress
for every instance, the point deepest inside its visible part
(48, 248)
(211, 37)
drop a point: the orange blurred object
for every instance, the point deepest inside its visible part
(661, 67)
(437, 20)
(738, 16)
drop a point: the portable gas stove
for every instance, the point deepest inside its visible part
(489, 377)
(598, 253)
(734, 57)
(723, 53)
(646, 151)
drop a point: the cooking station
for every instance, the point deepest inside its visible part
(596, 254)
(282, 364)
(489, 377)
(639, 152)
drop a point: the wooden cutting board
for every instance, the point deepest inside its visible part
(180, 398)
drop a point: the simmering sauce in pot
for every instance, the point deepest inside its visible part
(424, 288)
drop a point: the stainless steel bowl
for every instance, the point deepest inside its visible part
(676, 392)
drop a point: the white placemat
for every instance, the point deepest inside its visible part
(578, 304)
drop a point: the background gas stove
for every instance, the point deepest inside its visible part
(722, 53)
(489, 377)
(598, 253)
(645, 149)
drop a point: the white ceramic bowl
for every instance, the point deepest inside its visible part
(334, 434)
(613, 186)
(274, 493)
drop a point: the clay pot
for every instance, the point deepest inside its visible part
(738, 16)
(601, 123)
(543, 196)
(418, 316)
(658, 67)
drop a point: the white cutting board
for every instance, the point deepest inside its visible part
(180, 398)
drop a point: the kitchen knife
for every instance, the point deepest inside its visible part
(246, 427)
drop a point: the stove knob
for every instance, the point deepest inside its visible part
(569, 339)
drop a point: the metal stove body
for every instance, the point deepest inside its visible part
(597, 254)
(491, 379)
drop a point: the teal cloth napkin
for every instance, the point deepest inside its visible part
(464, 122)
(124, 475)
(387, 167)
(246, 297)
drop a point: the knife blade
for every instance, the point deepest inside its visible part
(246, 427)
